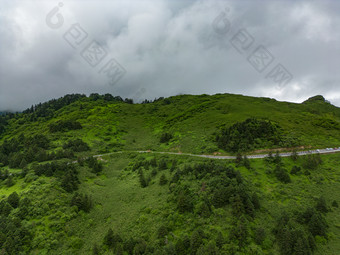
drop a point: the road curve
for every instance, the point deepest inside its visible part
(258, 156)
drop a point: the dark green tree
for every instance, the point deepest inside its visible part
(277, 159)
(282, 174)
(180, 247)
(295, 170)
(142, 179)
(82, 201)
(97, 167)
(335, 204)
(246, 162)
(95, 249)
(162, 164)
(5, 208)
(163, 180)
(196, 240)
(259, 235)
(317, 225)
(109, 239)
(23, 163)
(321, 205)
(220, 240)
(184, 202)
(238, 160)
(162, 231)
(165, 137)
(239, 232)
(294, 156)
(9, 182)
(13, 199)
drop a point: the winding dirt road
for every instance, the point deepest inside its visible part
(258, 156)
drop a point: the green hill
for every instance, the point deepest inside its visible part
(193, 121)
(55, 198)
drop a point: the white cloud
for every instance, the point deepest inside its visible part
(169, 47)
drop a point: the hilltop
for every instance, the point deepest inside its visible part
(191, 122)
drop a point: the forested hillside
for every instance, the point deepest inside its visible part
(56, 198)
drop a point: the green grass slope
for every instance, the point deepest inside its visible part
(141, 213)
(55, 198)
(193, 122)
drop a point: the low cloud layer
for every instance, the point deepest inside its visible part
(148, 49)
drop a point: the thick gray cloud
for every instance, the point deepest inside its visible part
(170, 47)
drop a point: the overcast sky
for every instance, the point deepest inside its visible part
(287, 50)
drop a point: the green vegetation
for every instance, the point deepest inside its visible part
(64, 125)
(56, 198)
(165, 137)
(252, 134)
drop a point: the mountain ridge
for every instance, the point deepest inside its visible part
(178, 115)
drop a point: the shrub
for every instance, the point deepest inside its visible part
(163, 180)
(95, 250)
(248, 135)
(335, 204)
(64, 125)
(238, 160)
(162, 231)
(97, 167)
(9, 182)
(140, 247)
(180, 247)
(295, 170)
(196, 240)
(259, 235)
(154, 172)
(23, 163)
(129, 245)
(311, 162)
(277, 159)
(94, 164)
(282, 174)
(76, 145)
(203, 209)
(292, 238)
(82, 201)
(165, 137)
(13, 199)
(162, 164)
(184, 202)
(246, 162)
(239, 232)
(70, 180)
(109, 238)
(5, 208)
(317, 225)
(321, 205)
(142, 179)
(220, 240)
